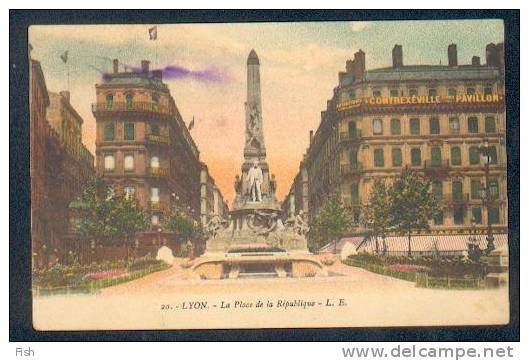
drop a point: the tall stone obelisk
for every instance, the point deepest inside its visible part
(254, 149)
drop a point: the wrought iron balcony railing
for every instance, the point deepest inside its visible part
(162, 139)
(350, 136)
(346, 169)
(130, 107)
(158, 171)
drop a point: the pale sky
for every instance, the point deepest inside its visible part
(299, 68)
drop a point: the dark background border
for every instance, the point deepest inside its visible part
(20, 303)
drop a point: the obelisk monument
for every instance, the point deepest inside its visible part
(254, 149)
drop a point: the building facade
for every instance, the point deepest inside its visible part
(60, 165)
(143, 146)
(435, 119)
(212, 201)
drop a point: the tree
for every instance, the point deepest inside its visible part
(108, 217)
(332, 223)
(376, 214)
(182, 225)
(412, 204)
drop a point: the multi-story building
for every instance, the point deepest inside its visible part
(77, 166)
(212, 202)
(41, 231)
(435, 119)
(297, 198)
(60, 165)
(143, 147)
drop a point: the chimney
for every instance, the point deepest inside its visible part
(359, 65)
(452, 55)
(397, 56)
(476, 61)
(311, 137)
(115, 62)
(491, 57)
(145, 66)
(349, 66)
(65, 95)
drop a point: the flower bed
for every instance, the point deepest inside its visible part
(91, 277)
(430, 273)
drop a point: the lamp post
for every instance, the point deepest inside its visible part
(486, 195)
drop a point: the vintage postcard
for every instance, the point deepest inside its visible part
(268, 175)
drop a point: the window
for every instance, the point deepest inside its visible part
(352, 94)
(355, 195)
(490, 125)
(473, 125)
(396, 157)
(457, 190)
(353, 158)
(376, 93)
(471, 91)
(474, 155)
(377, 126)
(109, 131)
(155, 102)
(437, 189)
(434, 126)
(459, 215)
(155, 129)
(475, 189)
(155, 219)
(452, 92)
(155, 195)
(395, 126)
(109, 101)
(129, 192)
(494, 215)
(493, 155)
(435, 154)
(453, 124)
(432, 92)
(379, 157)
(351, 128)
(128, 101)
(476, 215)
(494, 189)
(412, 92)
(438, 218)
(394, 93)
(109, 163)
(455, 155)
(416, 157)
(155, 162)
(129, 131)
(488, 90)
(128, 162)
(415, 126)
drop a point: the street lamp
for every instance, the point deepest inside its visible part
(486, 194)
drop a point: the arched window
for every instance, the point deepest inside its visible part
(455, 155)
(155, 129)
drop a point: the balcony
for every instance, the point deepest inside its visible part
(158, 171)
(158, 139)
(353, 137)
(436, 169)
(349, 169)
(457, 199)
(140, 107)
